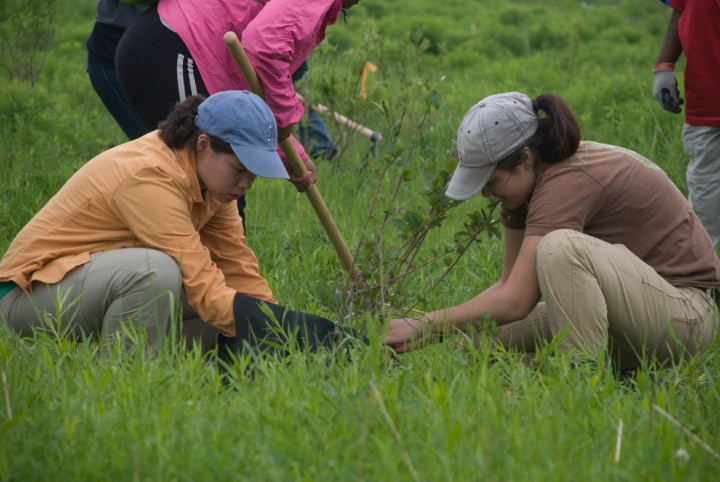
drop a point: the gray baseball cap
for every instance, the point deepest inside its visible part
(244, 120)
(490, 131)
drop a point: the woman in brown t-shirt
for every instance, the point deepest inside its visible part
(598, 231)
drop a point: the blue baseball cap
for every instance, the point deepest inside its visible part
(244, 120)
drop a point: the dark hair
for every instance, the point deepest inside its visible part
(557, 136)
(178, 130)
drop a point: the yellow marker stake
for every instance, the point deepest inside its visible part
(363, 77)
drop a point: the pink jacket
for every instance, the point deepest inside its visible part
(277, 35)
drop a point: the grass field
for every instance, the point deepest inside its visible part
(437, 414)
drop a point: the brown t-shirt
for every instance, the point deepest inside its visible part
(620, 197)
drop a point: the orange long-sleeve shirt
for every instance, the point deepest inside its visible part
(142, 194)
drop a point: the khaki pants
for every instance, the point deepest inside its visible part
(117, 295)
(702, 145)
(603, 297)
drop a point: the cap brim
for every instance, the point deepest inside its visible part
(261, 162)
(467, 181)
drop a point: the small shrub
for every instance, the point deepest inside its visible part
(25, 34)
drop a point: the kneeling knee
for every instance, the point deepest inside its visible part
(163, 271)
(556, 244)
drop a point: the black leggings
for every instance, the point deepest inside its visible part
(155, 69)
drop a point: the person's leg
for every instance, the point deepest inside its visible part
(702, 145)
(106, 85)
(316, 137)
(116, 295)
(155, 69)
(607, 298)
(194, 331)
(313, 134)
(300, 72)
(524, 335)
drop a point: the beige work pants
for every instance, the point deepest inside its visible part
(122, 295)
(603, 297)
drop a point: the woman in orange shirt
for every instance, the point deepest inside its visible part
(149, 226)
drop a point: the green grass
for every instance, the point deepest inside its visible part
(66, 413)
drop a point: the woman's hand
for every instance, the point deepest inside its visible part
(407, 334)
(303, 183)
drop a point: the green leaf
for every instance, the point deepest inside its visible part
(399, 223)
(413, 220)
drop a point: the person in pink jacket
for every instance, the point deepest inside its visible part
(176, 49)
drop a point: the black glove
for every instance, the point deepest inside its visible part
(260, 325)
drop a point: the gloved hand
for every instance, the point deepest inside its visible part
(262, 326)
(665, 88)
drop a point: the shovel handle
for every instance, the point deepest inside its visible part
(296, 163)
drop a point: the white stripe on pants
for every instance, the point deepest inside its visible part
(185, 70)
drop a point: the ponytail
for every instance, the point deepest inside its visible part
(558, 134)
(178, 129)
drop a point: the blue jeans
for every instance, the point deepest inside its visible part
(105, 82)
(314, 136)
